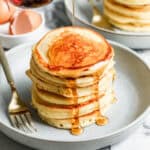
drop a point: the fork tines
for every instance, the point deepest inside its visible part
(23, 122)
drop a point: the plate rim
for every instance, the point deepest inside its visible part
(142, 34)
(138, 119)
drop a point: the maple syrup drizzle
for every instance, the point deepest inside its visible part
(76, 129)
(100, 120)
(71, 83)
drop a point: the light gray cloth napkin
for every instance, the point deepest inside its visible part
(140, 140)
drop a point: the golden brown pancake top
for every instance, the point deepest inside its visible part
(71, 50)
(75, 51)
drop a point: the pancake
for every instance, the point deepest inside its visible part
(103, 85)
(72, 73)
(58, 112)
(84, 120)
(58, 99)
(89, 54)
(126, 14)
(131, 27)
(69, 82)
(136, 19)
(133, 2)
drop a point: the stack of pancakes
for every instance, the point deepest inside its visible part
(129, 15)
(72, 70)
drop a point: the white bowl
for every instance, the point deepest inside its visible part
(9, 41)
(136, 40)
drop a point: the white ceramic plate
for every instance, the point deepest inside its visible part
(132, 87)
(83, 13)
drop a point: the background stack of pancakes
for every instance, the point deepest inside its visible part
(129, 15)
(72, 70)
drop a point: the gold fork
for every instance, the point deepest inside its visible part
(19, 114)
(98, 19)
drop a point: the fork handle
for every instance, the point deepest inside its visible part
(6, 67)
